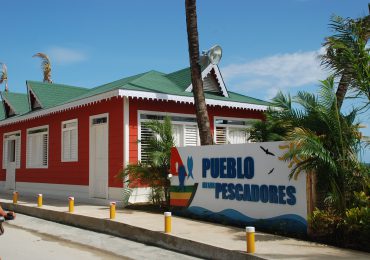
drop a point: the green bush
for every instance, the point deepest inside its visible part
(351, 230)
(325, 223)
(357, 227)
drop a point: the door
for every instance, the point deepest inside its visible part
(10, 165)
(99, 157)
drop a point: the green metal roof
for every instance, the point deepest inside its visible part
(51, 94)
(2, 113)
(182, 78)
(18, 101)
(106, 87)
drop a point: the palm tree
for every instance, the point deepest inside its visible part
(154, 171)
(4, 76)
(325, 141)
(196, 75)
(348, 57)
(46, 66)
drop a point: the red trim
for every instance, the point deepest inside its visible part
(179, 202)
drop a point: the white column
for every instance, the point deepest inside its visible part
(126, 129)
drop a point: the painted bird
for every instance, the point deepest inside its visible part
(267, 151)
(190, 167)
(182, 175)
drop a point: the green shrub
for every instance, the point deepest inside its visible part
(325, 223)
(357, 227)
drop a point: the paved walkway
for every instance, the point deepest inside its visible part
(267, 246)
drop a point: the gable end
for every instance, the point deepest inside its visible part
(33, 100)
(212, 81)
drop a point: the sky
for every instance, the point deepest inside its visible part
(268, 45)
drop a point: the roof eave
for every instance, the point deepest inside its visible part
(189, 99)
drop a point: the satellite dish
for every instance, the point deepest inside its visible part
(214, 54)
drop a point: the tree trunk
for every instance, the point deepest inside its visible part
(342, 90)
(196, 75)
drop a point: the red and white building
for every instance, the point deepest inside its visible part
(64, 141)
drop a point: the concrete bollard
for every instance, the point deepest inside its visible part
(167, 222)
(250, 239)
(15, 197)
(39, 200)
(71, 204)
(112, 210)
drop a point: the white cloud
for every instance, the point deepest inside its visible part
(63, 55)
(280, 71)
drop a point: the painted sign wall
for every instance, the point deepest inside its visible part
(243, 183)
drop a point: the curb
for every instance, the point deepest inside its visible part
(134, 233)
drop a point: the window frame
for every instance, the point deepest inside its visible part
(227, 126)
(157, 113)
(20, 148)
(75, 120)
(28, 166)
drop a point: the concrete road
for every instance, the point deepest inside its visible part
(32, 238)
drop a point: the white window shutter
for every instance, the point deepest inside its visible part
(146, 134)
(29, 151)
(36, 152)
(5, 153)
(70, 141)
(237, 136)
(177, 134)
(191, 135)
(45, 149)
(66, 145)
(18, 152)
(74, 145)
(221, 133)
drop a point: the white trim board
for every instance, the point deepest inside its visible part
(126, 134)
(189, 99)
(128, 93)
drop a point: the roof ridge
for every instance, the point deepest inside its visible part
(177, 71)
(106, 84)
(54, 84)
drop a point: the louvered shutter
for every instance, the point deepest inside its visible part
(5, 153)
(191, 135)
(36, 151)
(45, 149)
(18, 152)
(74, 144)
(29, 150)
(177, 134)
(237, 136)
(66, 145)
(146, 134)
(221, 135)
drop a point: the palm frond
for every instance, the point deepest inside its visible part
(346, 54)
(4, 75)
(45, 65)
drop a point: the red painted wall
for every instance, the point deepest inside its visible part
(71, 172)
(78, 172)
